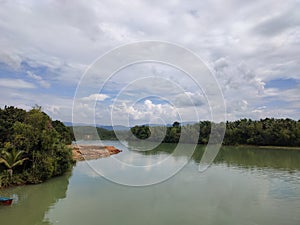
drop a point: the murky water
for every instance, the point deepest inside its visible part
(243, 186)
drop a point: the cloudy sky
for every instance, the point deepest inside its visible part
(251, 47)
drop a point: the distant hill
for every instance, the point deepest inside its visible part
(117, 127)
(169, 124)
(70, 124)
(121, 127)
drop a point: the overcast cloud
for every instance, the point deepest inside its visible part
(252, 47)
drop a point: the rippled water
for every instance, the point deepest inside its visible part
(243, 186)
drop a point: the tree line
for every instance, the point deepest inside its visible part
(33, 148)
(264, 132)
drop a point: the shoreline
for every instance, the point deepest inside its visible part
(90, 152)
(281, 147)
(270, 147)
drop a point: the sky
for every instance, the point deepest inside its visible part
(252, 48)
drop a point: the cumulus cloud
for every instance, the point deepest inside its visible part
(244, 46)
(95, 97)
(144, 112)
(189, 99)
(234, 76)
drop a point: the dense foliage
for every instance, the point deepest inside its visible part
(33, 148)
(275, 132)
(269, 131)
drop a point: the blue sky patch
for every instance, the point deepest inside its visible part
(282, 84)
(274, 102)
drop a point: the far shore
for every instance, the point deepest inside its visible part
(295, 148)
(90, 152)
(281, 147)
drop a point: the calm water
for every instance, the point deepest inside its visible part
(243, 186)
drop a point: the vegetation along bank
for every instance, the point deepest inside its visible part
(33, 148)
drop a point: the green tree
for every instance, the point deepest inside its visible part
(141, 132)
(65, 133)
(8, 116)
(11, 158)
(40, 139)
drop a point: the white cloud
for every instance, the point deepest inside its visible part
(12, 59)
(39, 79)
(145, 112)
(189, 99)
(245, 46)
(259, 110)
(15, 83)
(95, 97)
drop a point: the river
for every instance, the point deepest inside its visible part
(244, 185)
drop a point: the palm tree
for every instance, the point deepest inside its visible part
(12, 159)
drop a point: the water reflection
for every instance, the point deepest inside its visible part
(31, 202)
(245, 185)
(246, 157)
(227, 193)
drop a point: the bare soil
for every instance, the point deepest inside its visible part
(89, 152)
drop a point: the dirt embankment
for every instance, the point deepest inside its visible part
(88, 152)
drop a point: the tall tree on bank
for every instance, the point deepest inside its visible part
(33, 135)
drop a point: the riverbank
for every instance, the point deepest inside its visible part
(288, 148)
(89, 152)
(280, 147)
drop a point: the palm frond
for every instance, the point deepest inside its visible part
(4, 162)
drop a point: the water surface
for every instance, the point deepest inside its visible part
(245, 185)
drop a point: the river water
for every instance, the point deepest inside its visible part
(244, 185)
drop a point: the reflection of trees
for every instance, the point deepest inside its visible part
(242, 156)
(261, 158)
(33, 201)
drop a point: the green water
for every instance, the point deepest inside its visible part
(245, 185)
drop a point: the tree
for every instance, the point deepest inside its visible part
(176, 124)
(65, 132)
(268, 131)
(40, 139)
(8, 116)
(141, 132)
(11, 158)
